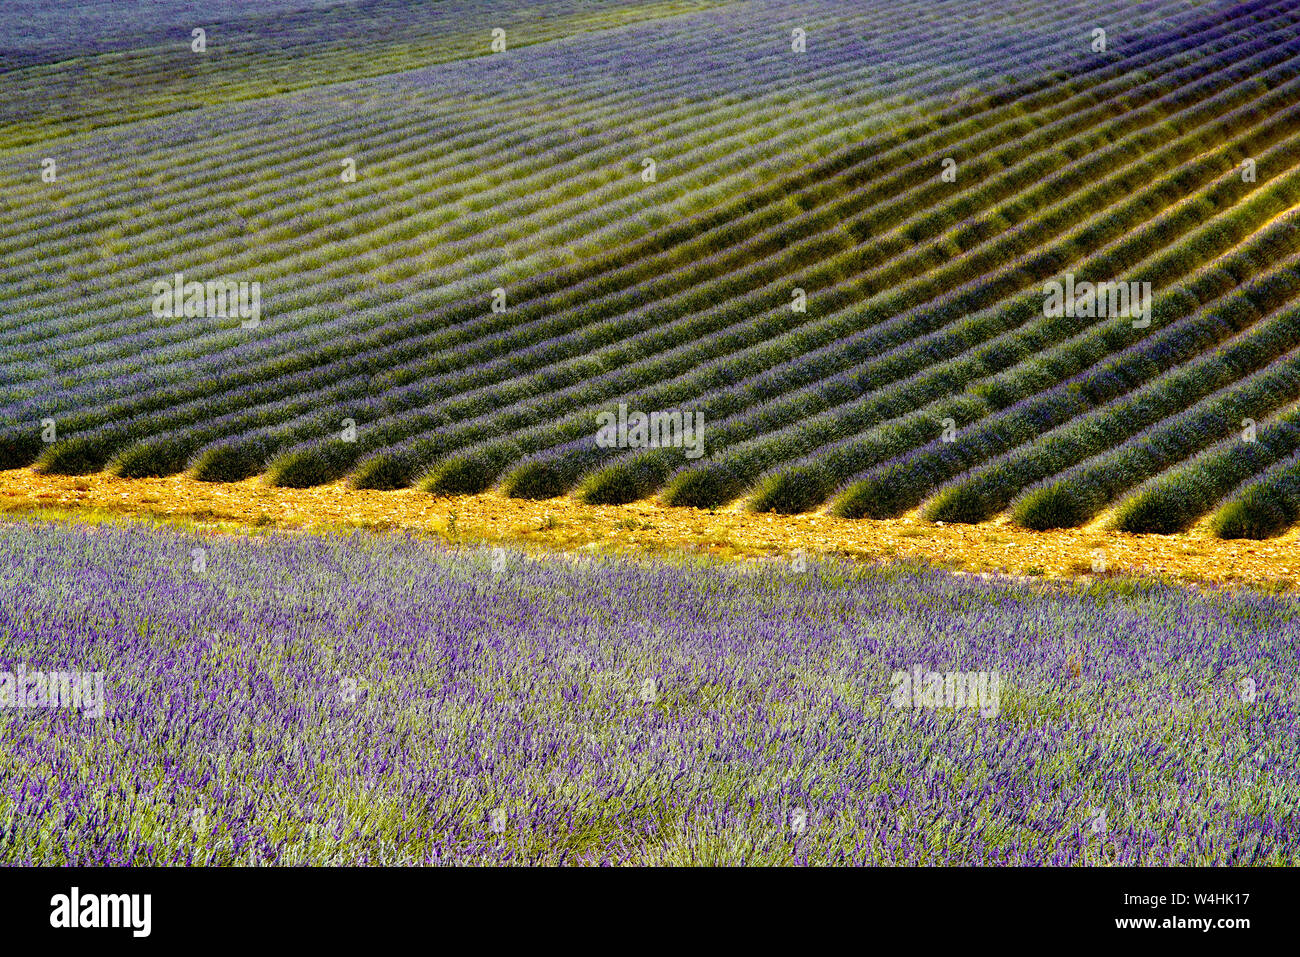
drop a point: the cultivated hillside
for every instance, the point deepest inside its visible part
(980, 258)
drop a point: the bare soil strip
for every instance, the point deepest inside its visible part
(993, 547)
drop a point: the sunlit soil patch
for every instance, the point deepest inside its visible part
(649, 527)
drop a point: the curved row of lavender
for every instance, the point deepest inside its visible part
(297, 699)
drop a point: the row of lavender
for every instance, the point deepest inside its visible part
(301, 699)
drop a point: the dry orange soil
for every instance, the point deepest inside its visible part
(650, 527)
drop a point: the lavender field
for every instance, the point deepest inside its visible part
(978, 258)
(291, 699)
(1007, 292)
